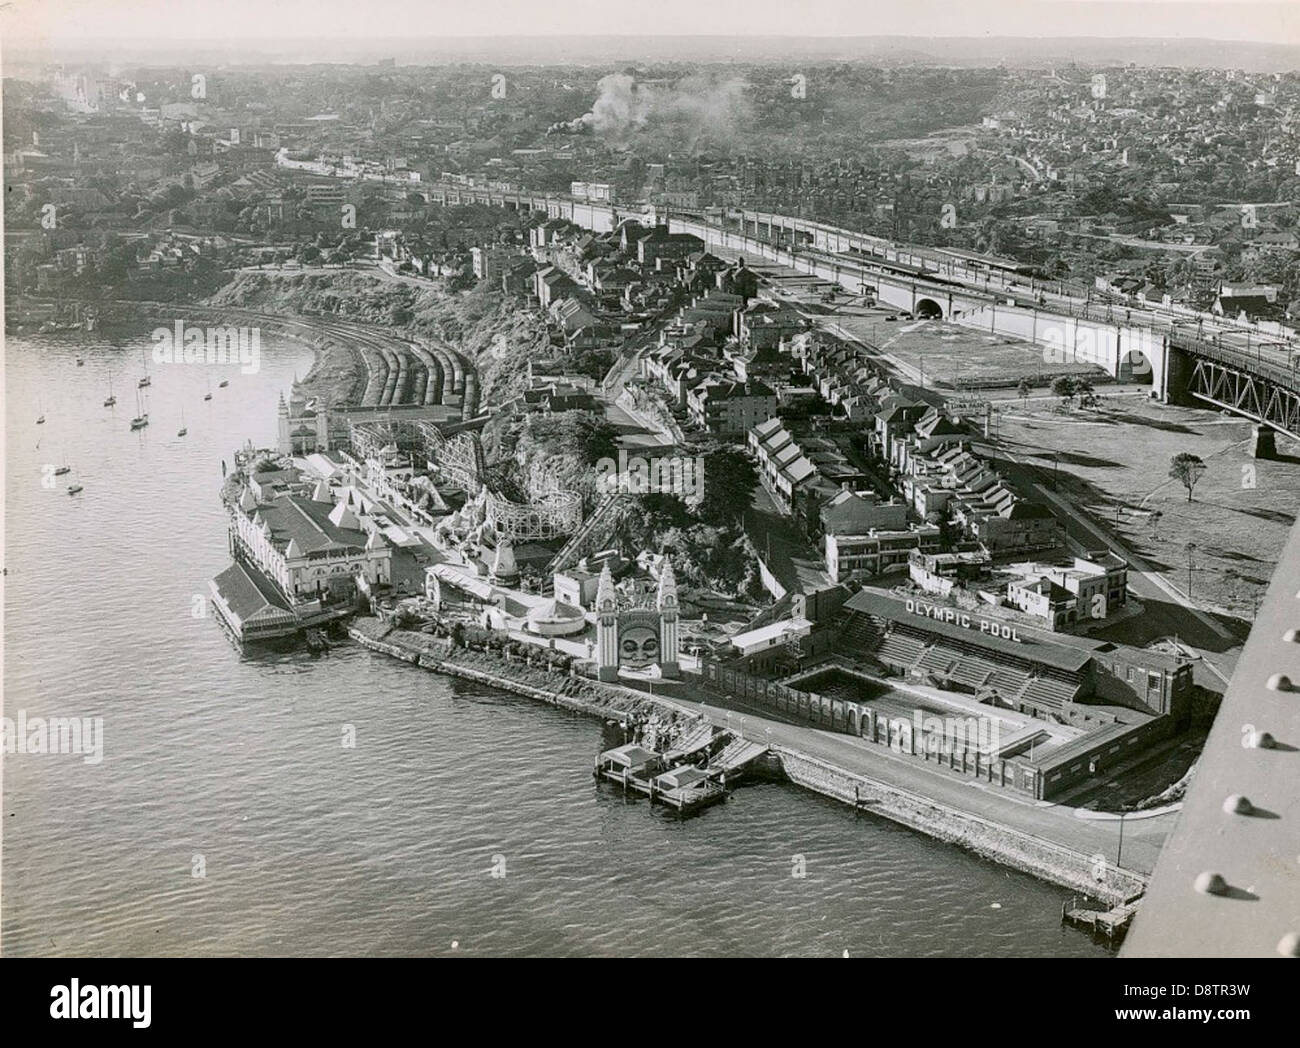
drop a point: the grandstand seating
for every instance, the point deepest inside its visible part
(972, 672)
(860, 635)
(1008, 681)
(956, 661)
(1049, 692)
(898, 649)
(937, 660)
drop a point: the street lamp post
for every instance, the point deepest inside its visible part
(1119, 854)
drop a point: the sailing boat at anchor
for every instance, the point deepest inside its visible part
(142, 417)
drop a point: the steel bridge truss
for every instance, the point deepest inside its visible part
(1246, 394)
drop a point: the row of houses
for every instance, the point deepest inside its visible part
(719, 358)
(842, 375)
(953, 482)
(862, 535)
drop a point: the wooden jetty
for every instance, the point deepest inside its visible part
(692, 743)
(671, 778)
(1112, 923)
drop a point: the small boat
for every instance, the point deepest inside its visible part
(146, 380)
(223, 383)
(142, 417)
(110, 400)
(183, 430)
(208, 394)
(75, 488)
(60, 470)
(80, 362)
(40, 420)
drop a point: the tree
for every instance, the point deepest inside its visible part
(664, 510)
(1186, 468)
(729, 479)
(1084, 391)
(1065, 387)
(598, 439)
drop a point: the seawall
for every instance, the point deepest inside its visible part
(1035, 855)
(555, 687)
(1021, 851)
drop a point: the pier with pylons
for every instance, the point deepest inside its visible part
(692, 773)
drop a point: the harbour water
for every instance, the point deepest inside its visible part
(234, 765)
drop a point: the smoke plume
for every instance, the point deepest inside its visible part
(697, 107)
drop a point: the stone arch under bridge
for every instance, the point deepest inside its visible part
(928, 309)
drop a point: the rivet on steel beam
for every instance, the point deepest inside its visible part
(1280, 682)
(1289, 945)
(1208, 883)
(1259, 740)
(1236, 804)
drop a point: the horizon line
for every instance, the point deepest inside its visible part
(138, 41)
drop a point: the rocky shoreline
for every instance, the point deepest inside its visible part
(551, 685)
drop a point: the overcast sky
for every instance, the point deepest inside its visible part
(57, 23)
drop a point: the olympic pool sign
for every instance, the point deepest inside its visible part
(960, 618)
